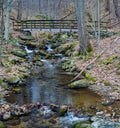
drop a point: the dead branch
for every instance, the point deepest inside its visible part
(92, 61)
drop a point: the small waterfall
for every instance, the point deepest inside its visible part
(71, 119)
(49, 48)
(28, 51)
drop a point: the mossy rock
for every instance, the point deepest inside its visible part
(62, 111)
(16, 61)
(1, 125)
(17, 90)
(4, 62)
(81, 125)
(19, 53)
(25, 38)
(107, 83)
(13, 80)
(1, 80)
(109, 60)
(4, 85)
(27, 33)
(90, 77)
(83, 83)
(8, 70)
(40, 63)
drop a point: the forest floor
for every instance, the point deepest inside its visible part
(106, 67)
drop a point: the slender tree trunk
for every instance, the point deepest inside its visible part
(107, 5)
(19, 16)
(7, 23)
(1, 30)
(117, 9)
(82, 26)
(98, 35)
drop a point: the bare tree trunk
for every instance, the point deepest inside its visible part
(117, 9)
(19, 16)
(7, 23)
(98, 17)
(1, 30)
(82, 26)
(107, 5)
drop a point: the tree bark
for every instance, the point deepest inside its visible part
(19, 16)
(7, 23)
(117, 9)
(82, 31)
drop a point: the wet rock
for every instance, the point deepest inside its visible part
(25, 38)
(81, 125)
(17, 90)
(27, 33)
(100, 123)
(13, 80)
(83, 83)
(6, 116)
(100, 113)
(19, 53)
(108, 102)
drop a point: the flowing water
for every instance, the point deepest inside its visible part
(45, 87)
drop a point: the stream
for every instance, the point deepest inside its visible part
(45, 87)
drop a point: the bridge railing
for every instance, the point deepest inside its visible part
(56, 24)
(45, 24)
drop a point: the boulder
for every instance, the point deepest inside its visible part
(26, 38)
(83, 124)
(13, 80)
(83, 83)
(100, 123)
(19, 53)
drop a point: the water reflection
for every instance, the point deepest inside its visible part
(47, 90)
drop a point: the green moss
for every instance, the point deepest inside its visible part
(109, 60)
(9, 69)
(82, 124)
(1, 80)
(1, 125)
(17, 90)
(62, 112)
(107, 83)
(89, 47)
(13, 80)
(89, 77)
(83, 83)
(4, 85)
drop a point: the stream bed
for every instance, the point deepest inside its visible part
(45, 88)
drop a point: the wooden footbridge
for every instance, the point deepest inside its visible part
(50, 25)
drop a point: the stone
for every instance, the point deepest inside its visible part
(19, 53)
(6, 116)
(25, 38)
(13, 80)
(17, 90)
(100, 123)
(83, 83)
(81, 125)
